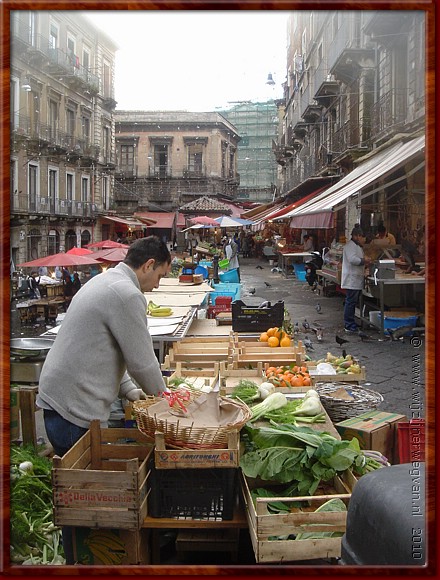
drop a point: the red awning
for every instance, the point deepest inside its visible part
(323, 220)
(164, 220)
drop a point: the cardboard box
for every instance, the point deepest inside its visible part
(111, 547)
(374, 430)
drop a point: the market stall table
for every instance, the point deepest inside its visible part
(286, 260)
(399, 280)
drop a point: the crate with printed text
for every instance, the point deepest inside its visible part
(102, 481)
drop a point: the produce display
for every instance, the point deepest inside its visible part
(342, 364)
(276, 337)
(34, 537)
(288, 376)
(156, 310)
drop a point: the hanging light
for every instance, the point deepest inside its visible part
(26, 86)
(270, 80)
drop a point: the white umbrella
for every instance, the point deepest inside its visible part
(226, 221)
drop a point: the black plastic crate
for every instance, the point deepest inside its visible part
(256, 318)
(193, 493)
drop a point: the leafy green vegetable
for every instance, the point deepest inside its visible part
(246, 391)
(332, 505)
(34, 538)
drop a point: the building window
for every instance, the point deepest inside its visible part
(85, 188)
(33, 28)
(126, 158)
(105, 193)
(106, 143)
(53, 119)
(107, 80)
(70, 122)
(33, 171)
(71, 49)
(70, 191)
(85, 125)
(195, 159)
(86, 58)
(52, 189)
(53, 36)
(160, 160)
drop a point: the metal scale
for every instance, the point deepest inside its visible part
(27, 356)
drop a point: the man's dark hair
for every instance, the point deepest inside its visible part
(381, 229)
(144, 249)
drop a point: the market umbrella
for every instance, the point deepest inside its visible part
(226, 221)
(113, 255)
(79, 252)
(106, 244)
(61, 259)
(204, 220)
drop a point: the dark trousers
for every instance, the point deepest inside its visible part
(351, 299)
(63, 435)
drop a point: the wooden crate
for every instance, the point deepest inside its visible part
(263, 524)
(338, 378)
(229, 377)
(165, 458)
(198, 354)
(102, 481)
(197, 377)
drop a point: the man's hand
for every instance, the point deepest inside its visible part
(135, 395)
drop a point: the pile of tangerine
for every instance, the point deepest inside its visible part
(275, 337)
(289, 376)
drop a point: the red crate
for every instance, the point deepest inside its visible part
(223, 301)
(212, 311)
(411, 440)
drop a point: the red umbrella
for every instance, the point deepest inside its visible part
(61, 259)
(114, 255)
(106, 244)
(79, 252)
(205, 220)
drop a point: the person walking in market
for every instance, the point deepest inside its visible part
(231, 252)
(352, 276)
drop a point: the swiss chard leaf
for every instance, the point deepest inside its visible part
(271, 464)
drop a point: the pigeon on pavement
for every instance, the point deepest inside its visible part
(308, 343)
(251, 290)
(318, 308)
(296, 328)
(306, 325)
(399, 333)
(340, 340)
(259, 267)
(363, 336)
(268, 285)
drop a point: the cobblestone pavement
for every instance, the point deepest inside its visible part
(394, 368)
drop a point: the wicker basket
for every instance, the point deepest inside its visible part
(180, 436)
(339, 409)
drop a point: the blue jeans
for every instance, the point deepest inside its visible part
(62, 435)
(351, 299)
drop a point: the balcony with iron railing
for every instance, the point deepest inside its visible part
(389, 111)
(23, 204)
(160, 171)
(194, 172)
(58, 61)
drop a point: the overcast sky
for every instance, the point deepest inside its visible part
(195, 60)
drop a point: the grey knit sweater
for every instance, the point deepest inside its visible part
(103, 335)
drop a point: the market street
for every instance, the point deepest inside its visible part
(394, 368)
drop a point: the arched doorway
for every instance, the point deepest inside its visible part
(85, 238)
(34, 243)
(70, 240)
(53, 242)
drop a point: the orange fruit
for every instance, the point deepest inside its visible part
(279, 332)
(297, 381)
(285, 341)
(273, 341)
(307, 382)
(271, 332)
(264, 337)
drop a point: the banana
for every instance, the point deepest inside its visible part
(107, 538)
(152, 305)
(161, 312)
(106, 546)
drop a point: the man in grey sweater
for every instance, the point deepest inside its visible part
(103, 335)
